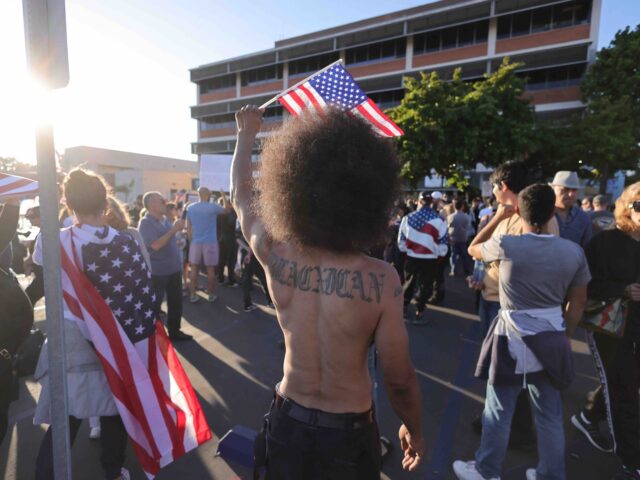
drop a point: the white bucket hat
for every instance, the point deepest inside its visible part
(566, 179)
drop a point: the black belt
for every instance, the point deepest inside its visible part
(318, 418)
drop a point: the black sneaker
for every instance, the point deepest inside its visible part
(592, 432)
(628, 473)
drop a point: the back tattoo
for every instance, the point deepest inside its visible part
(342, 282)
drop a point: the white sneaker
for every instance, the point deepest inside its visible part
(467, 471)
(531, 474)
(94, 433)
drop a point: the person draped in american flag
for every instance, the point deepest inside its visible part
(121, 365)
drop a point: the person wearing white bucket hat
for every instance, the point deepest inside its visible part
(573, 222)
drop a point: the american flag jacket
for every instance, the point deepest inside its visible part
(423, 234)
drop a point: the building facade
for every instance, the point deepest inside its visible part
(555, 40)
(132, 174)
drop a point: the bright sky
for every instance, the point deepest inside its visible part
(129, 62)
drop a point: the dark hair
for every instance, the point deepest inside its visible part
(513, 173)
(171, 205)
(85, 192)
(458, 204)
(327, 181)
(537, 204)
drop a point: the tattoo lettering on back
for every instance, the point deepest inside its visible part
(344, 283)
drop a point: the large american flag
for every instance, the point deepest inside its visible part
(335, 87)
(107, 291)
(13, 185)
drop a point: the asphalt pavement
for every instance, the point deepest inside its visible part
(236, 359)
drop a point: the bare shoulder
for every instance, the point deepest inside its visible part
(392, 287)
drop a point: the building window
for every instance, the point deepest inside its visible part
(452, 37)
(388, 99)
(376, 51)
(449, 38)
(521, 24)
(554, 77)
(311, 64)
(217, 83)
(217, 122)
(273, 114)
(541, 20)
(261, 75)
(545, 18)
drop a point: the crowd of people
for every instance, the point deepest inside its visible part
(341, 281)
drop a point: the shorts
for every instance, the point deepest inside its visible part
(206, 253)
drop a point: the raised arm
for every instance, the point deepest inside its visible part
(400, 379)
(225, 203)
(248, 120)
(503, 211)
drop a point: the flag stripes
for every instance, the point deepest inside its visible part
(334, 87)
(12, 185)
(158, 406)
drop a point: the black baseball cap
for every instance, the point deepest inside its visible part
(425, 196)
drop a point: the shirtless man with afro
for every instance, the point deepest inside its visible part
(325, 190)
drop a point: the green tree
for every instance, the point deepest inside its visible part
(451, 126)
(607, 135)
(11, 165)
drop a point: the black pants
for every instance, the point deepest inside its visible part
(250, 269)
(35, 290)
(618, 364)
(172, 286)
(6, 393)
(113, 443)
(419, 273)
(438, 282)
(297, 451)
(228, 256)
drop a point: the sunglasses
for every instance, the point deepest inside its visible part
(636, 206)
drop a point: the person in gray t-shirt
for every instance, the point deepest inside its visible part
(536, 271)
(527, 345)
(458, 224)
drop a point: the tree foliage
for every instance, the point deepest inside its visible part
(452, 125)
(607, 136)
(11, 165)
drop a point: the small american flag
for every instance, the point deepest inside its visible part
(13, 185)
(335, 87)
(110, 297)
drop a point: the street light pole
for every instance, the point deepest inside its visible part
(50, 231)
(46, 44)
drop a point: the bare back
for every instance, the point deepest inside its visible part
(328, 307)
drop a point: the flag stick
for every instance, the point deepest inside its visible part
(269, 102)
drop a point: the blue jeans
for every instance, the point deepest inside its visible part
(487, 311)
(459, 252)
(496, 425)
